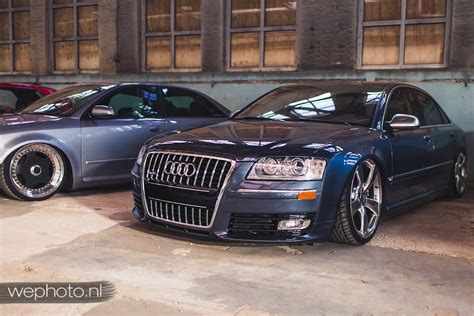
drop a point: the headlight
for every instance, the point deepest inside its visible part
(287, 168)
(141, 154)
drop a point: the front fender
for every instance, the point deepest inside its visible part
(70, 149)
(338, 175)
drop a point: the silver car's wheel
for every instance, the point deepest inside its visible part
(459, 176)
(361, 206)
(34, 172)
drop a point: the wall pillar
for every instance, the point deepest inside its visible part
(41, 61)
(213, 35)
(326, 34)
(129, 36)
(462, 35)
(108, 39)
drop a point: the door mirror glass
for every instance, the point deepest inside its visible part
(102, 111)
(404, 121)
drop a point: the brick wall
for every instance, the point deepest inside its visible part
(326, 36)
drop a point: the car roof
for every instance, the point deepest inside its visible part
(353, 86)
(19, 85)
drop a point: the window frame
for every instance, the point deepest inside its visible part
(11, 42)
(261, 29)
(389, 98)
(403, 22)
(76, 38)
(172, 33)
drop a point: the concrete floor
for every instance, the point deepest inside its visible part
(421, 262)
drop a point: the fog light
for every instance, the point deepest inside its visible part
(297, 223)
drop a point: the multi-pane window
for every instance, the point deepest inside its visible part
(75, 35)
(261, 34)
(403, 33)
(172, 37)
(15, 49)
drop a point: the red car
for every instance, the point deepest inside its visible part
(15, 97)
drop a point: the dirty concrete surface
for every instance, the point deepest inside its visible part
(420, 262)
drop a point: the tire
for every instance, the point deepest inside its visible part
(34, 172)
(457, 182)
(360, 207)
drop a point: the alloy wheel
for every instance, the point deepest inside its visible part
(366, 198)
(460, 173)
(37, 171)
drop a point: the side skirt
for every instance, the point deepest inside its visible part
(415, 201)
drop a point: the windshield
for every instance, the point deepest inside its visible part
(344, 105)
(64, 102)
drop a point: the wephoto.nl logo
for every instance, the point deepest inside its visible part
(56, 292)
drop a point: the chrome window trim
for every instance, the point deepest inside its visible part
(219, 197)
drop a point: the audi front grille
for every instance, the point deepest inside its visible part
(186, 170)
(184, 188)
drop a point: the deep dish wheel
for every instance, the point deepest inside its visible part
(360, 206)
(34, 172)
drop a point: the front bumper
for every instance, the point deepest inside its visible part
(249, 211)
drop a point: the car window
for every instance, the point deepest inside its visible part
(16, 99)
(184, 103)
(402, 101)
(8, 100)
(134, 102)
(428, 111)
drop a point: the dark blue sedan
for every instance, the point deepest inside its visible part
(303, 163)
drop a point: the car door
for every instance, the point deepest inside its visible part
(412, 150)
(186, 109)
(435, 121)
(110, 145)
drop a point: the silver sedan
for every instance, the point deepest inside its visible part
(90, 135)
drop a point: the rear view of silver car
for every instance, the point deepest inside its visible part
(90, 135)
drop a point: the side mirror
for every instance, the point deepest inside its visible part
(404, 121)
(102, 111)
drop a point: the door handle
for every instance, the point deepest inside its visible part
(155, 129)
(427, 138)
(451, 134)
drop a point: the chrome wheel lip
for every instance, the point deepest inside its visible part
(366, 198)
(56, 178)
(460, 173)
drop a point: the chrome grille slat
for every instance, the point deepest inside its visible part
(213, 172)
(205, 172)
(199, 170)
(167, 159)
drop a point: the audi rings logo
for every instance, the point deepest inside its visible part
(182, 169)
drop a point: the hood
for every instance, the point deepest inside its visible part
(250, 140)
(25, 119)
